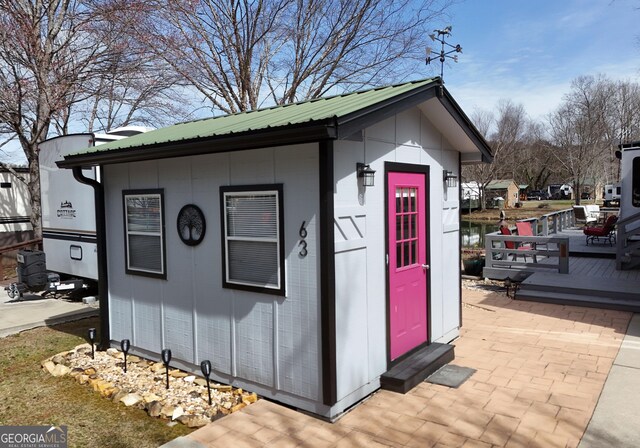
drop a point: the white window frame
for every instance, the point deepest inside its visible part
(157, 193)
(246, 191)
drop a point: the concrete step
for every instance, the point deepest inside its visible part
(591, 301)
(414, 369)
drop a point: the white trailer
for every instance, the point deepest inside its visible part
(68, 215)
(611, 194)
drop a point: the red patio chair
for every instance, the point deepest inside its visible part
(513, 245)
(525, 228)
(606, 231)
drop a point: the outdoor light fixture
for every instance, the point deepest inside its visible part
(92, 337)
(366, 173)
(205, 366)
(166, 359)
(449, 178)
(124, 345)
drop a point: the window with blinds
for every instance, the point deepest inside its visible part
(144, 232)
(252, 239)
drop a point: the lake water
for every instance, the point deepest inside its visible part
(473, 233)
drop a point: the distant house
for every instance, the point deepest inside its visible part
(15, 207)
(506, 189)
(305, 250)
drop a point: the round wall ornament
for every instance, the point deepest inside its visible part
(191, 225)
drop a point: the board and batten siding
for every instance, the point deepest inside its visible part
(267, 343)
(361, 277)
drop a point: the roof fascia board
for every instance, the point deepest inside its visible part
(465, 124)
(368, 116)
(198, 146)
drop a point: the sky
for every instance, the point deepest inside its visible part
(529, 51)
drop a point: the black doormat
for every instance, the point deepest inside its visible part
(450, 375)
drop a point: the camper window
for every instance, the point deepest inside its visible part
(253, 255)
(144, 228)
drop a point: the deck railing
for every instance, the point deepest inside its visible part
(552, 223)
(548, 253)
(626, 245)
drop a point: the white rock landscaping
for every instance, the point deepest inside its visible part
(144, 385)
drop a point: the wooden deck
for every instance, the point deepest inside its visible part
(592, 279)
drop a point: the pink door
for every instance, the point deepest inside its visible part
(408, 270)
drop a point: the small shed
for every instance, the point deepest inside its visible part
(306, 250)
(506, 189)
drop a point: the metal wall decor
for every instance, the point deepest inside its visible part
(191, 225)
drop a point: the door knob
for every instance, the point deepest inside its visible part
(425, 266)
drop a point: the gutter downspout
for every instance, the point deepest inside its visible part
(101, 243)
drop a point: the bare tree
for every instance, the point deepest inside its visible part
(579, 129)
(533, 163)
(44, 52)
(240, 53)
(55, 55)
(505, 133)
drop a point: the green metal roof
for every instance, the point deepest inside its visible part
(322, 119)
(499, 184)
(315, 110)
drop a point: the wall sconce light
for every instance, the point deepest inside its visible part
(92, 337)
(449, 178)
(166, 359)
(205, 366)
(124, 345)
(366, 173)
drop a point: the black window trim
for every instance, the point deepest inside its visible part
(223, 233)
(138, 192)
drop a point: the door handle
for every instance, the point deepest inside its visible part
(425, 267)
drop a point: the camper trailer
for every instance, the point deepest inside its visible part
(559, 191)
(68, 220)
(629, 180)
(611, 195)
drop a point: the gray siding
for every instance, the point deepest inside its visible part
(361, 282)
(269, 342)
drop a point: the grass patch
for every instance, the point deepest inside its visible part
(31, 396)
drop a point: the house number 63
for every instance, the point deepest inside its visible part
(303, 234)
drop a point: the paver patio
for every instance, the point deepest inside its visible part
(540, 371)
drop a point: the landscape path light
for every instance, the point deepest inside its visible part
(124, 345)
(166, 359)
(205, 366)
(92, 337)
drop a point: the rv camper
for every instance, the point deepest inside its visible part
(68, 220)
(629, 179)
(611, 194)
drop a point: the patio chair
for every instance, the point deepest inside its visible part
(606, 232)
(525, 228)
(581, 215)
(513, 245)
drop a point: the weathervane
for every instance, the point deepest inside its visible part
(443, 54)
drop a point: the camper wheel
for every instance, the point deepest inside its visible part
(13, 292)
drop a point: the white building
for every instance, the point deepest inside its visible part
(253, 241)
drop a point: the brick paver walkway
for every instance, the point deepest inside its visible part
(540, 371)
